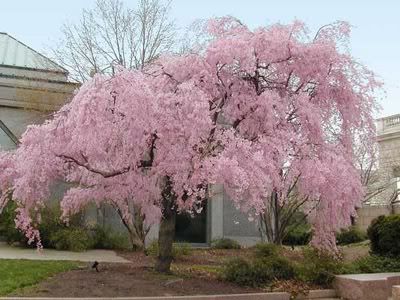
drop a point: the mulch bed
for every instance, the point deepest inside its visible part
(135, 279)
(138, 279)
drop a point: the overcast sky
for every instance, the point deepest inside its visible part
(375, 39)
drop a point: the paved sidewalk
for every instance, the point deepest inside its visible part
(9, 252)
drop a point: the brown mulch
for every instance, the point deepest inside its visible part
(354, 252)
(126, 280)
(191, 276)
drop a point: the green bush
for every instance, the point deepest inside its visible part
(55, 233)
(350, 235)
(265, 250)
(50, 225)
(374, 264)
(257, 272)
(298, 235)
(319, 268)
(7, 225)
(106, 238)
(373, 233)
(280, 267)
(384, 234)
(73, 239)
(225, 243)
(178, 250)
(240, 271)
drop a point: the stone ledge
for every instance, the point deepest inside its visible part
(395, 292)
(376, 286)
(318, 294)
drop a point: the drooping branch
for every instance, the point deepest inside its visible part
(87, 166)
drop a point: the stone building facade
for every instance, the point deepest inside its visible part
(386, 202)
(31, 88)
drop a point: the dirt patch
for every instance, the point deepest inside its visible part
(354, 252)
(127, 280)
(195, 274)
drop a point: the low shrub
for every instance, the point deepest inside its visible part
(319, 268)
(239, 271)
(181, 249)
(350, 235)
(265, 250)
(178, 250)
(298, 235)
(73, 239)
(374, 264)
(7, 225)
(257, 272)
(106, 238)
(280, 267)
(225, 243)
(152, 248)
(51, 223)
(384, 234)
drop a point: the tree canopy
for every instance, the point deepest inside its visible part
(269, 113)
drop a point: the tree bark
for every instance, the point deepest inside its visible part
(165, 242)
(271, 221)
(166, 234)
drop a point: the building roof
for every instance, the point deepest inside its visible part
(14, 53)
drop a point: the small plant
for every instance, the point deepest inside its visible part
(350, 235)
(225, 243)
(106, 238)
(239, 271)
(7, 225)
(257, 272)
(178, 250)
(265, 250)
(298, 235)
(279, 267)
(319, 268)
(374, 264)
(384, 234)
(181, 249)
(73, 239)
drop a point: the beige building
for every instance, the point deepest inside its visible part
(388, 130)
(31, 88)
(385, 203)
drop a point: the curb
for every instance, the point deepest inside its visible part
(313, 294)
(255, 296)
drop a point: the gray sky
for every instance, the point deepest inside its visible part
(375, 39)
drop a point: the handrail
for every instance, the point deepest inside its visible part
(9, 133)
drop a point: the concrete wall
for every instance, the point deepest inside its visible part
(367, 213)
(228, 222)
(17, 120)
(223, 220)
(31, 94)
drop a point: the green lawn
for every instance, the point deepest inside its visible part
(15, 274)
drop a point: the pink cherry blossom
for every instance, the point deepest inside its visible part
(272, 110)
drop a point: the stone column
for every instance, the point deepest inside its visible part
(216, 216)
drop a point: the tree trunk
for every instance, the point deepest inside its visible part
(166, 234)
(166, 237)
(271, 221)
(136, 243)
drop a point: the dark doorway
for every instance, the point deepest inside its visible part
(192, 229)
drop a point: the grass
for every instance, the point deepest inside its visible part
(16, 274)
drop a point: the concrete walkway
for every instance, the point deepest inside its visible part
(9, 252)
